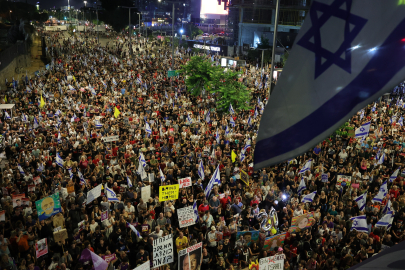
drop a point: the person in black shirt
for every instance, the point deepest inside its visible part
(142, 256)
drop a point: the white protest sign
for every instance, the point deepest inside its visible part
(185, 182)
(272, 263)
(144, 266)
(145, 193)
(111, 138)
(94, 194)
(343, 178)
(186, 216)
(324, 177)
(162, 251)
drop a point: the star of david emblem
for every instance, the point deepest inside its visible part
(362, 129)
(320, 13)
(112, 195)
(355, 223)
(382, 190)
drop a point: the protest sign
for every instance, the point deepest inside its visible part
(324, 177)
(17, 200)
(31, 188)
(185, 182)
(37, 180)
(41, 247)
(191, 256)
(274, 241)
(104, 216)
(109, 258)
(144, 266)
(169, 192)
(70, 187)
(219, 236)
(244, 177)
(60, 235)
(186, 216)
(163, 251)
(48, 206)
(94, 194)
(3, 215)
(25, 201)
(145, 193)
(343, 178)
(81, 225)
(272, 262)
(303, 221)
(249, 237)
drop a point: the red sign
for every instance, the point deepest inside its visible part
(185, 182)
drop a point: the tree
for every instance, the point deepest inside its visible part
(229, 90)
(225, 86)
(194, 31)
(199, 72)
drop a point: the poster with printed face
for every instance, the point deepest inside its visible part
(302, 222)
(185, 182)
(343, 179)
(163, 251)
(41, 247)
(37, 180)
(17, 200)
(48, 206)
(3, 215)
(186, 216)
(274, 241)
(191, 257)
(248, 237)
(25, 201)
(31, 188)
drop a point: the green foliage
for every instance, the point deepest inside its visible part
(343, 130)
(264, 43)
(284, 58)
(201, 74)
(194, 31)
(254, 55)
(229, 90)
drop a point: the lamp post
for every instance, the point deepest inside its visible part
(173, 2)
(69, 10)
(139, 22)
(274, 47)
(84, 13)
(129, 28)
(10, 14)
(97, 26)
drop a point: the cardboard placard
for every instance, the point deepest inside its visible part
(60, 235)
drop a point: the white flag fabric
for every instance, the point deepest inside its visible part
(129, 182)
(363, 130)
(361, 201)
(215, 179)
(385, 220)
(201, 170)
(394, 175)
(347, 66)
(308, 198)
(141, 171)
(59, 160)
(142, 160)
(387, 207)
(306, 167)
(359, 223)
(381, 193)
(134, 230)
(111, 196)
(162, 176)
(302, 186)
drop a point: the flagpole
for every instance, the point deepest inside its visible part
(274, 47)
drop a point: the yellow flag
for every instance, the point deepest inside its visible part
(233, 156)
(5, 98)
(42, 104)
(74, 78)
(116, 112)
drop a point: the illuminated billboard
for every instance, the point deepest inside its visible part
(212, 7)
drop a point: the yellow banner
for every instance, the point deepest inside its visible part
(169, 192)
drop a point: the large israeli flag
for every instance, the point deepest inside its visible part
(359, 223)
(59, 160)
(385, 220)
(381, 193)
(361, 201)
(394, 175)
(111, 196)
(363, 130)
(302, 186)
(343, 58)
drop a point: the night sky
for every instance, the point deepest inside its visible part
(45, 4)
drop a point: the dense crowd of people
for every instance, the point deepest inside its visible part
(91, 92)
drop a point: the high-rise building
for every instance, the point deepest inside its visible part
(253, 20)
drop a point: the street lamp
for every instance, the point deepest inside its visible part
(10, 15)
(129, 27)
(173, 2)
(139, 21)
(37, 5)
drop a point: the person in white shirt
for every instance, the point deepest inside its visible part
(343, 154)
(298, 211)
(129, 208)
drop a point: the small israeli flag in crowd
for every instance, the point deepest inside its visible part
(394, 175)
(385, 220)
(361, 201)
(195, 210)
(134, 230)
(215, 179)
(142, 160)
(162, 176)
(381, 193)
(70, 173)
(148, 129)
(231, 111)
(207, 117)
(308, 198)
(82, 181)
(306, 167)
(302, 186)
(20, 169)
(359, 223)
(363, 130)
(111, 196)
(201, 170)
(232, 122)
(387, 207)
(129, 182)
(59, 160)
(6, 115)
(114, 82)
